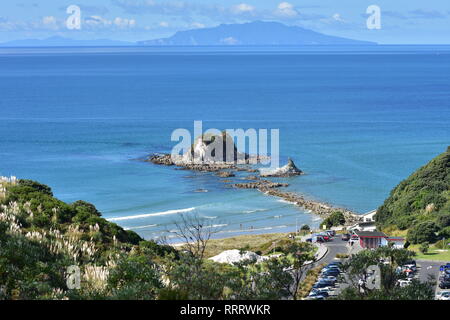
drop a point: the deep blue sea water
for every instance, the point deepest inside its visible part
(356, 120)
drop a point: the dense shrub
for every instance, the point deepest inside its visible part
(423, 232)
(337, 218)
(424, 196)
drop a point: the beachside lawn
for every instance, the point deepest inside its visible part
(432, 254)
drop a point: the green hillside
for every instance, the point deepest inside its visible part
(421, 203)
(47, 244)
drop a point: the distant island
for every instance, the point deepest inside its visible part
(250, 34)
(255, 33)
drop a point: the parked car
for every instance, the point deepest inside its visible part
(328, 273)
(331, 232)
(443, 295)
(410, 265)
(320, 240)
(404, 282)
(326, 289)
(320, 293)
(325, 237)
(322, 285)
(444, 284)
(336, 263)
(444, 277)
(444, 267)
(315, 297)
(332, 268)
(332, 279)
(323, 278)
(345, 237)
(309, 240)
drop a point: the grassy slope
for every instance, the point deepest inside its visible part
(252, 242)
(421, 197)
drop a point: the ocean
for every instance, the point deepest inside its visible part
(356, 120)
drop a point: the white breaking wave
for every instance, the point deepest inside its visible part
(141, 227)
(256, 210)
(253, 230)
(163, 213)
(218, 225)
(285, 201)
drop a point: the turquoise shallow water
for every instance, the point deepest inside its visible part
(356, 122)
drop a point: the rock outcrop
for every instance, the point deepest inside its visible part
(260, 184)
(225, 174)
(210, 153)
(289, 170)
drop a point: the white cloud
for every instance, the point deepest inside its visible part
(124, 22)
(242, 8)
(164, 24)
(286, 9)
(98, 22)
(50, 22)
(229, 41)
(197, 25)
(337, 17)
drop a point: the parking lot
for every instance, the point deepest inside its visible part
(330, 282)
(430, 270)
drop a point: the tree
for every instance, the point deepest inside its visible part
(424, 246)
(388, 260)
(305, 227)
(267, 280)
(337, 218)
(423, 232)
(298, 254)
(195, 232)
(135, 277)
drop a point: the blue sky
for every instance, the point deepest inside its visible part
(402, 21)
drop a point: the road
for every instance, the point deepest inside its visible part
(334, 247)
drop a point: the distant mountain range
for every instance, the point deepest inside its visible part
(246, 34)
(64, 42)
(252, 33)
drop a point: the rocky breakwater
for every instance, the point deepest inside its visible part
(319, 208)
(260, 185)
(225, 174)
